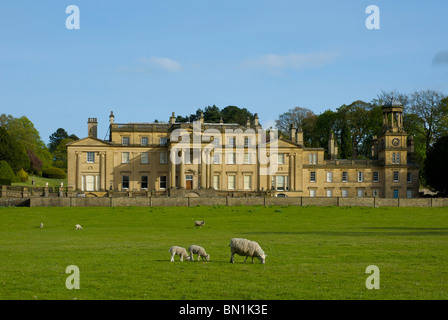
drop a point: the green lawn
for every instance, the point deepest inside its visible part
(312, 253)
(40, 182)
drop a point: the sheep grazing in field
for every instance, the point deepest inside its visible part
(199, 251)
(78, 227)
(41, 225)
(248, 248)
(199, 223)
(175, 250)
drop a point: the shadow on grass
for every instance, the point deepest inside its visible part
(388, 231)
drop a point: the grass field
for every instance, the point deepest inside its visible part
(312, 253)
(40, 182)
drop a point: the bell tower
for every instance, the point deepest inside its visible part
(392, 149)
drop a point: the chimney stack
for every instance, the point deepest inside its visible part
(111, 118)
(299, 136)
(92, 127)
(292, 133)
(172, 118)
(331, 147)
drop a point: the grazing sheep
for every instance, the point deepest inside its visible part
(199, 223)
(199, 251)
(78, 227)
(41, 225)
(175, 250)
(248, 248)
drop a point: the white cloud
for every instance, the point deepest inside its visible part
(162, 63)
(298, 61)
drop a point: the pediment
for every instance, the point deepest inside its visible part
(89, 141)
(283, 143)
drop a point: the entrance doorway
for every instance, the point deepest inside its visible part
(90, 183)
(189, 181)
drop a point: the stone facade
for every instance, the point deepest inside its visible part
(220, 159)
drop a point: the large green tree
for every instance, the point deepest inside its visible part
(23, 131)
(212, 114)
(57, 136)
(60, 154)
(430, 120)
(13, 151)
(436, 170)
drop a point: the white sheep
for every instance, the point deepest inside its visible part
(199, 223)
(248, 248)
(199, 251)
(175, 250)
(78, 227)
(41, 225)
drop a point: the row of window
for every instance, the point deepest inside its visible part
(164, 140)
(163, 158)
(359, 192)
(144, 141)
(231, 182)
(279, 183)
(144, 158)
(360, 176)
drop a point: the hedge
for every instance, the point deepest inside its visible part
(54, 173)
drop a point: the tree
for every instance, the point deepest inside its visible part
(56, 137)
(327, 122)
(13, 151)
(430, 120)
(35, 162)
(60, 154)
(356, 115)
(6, 171)
(233, 114)
(212, 114)
(436, 170)
(296, 116)
(23, 131)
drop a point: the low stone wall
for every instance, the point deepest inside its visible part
(439, 202)
(225, 201)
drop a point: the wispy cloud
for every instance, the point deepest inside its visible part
(441, 58)
(152, 65)
(297, 61)
(162, 63)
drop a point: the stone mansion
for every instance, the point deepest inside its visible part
(224, 159)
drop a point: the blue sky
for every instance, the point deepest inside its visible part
(146, 59)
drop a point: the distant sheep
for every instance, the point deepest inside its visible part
(41, 225)
(248, 248)
(199, 223)
(199, 251)
(78, 227)
(175, 250)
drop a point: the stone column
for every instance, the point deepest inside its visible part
(269, 177)
(182, 169)
(212, 170)
(172, 170)
(102, 171)
(78, 170)
(291, 172)
(203, 170)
